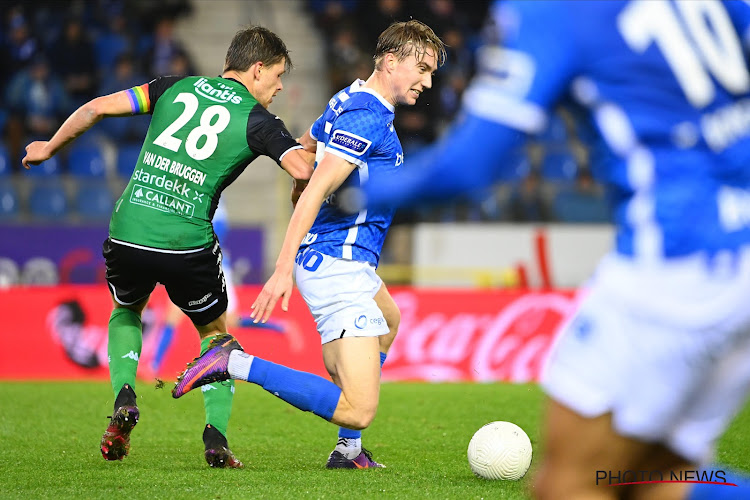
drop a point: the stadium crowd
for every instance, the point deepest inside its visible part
(57, 56)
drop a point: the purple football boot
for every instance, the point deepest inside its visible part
(338, 460)
(211, 366)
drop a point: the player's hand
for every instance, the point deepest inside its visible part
(278, 286)
(36, 153)
(297, 188)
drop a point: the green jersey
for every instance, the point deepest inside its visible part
(203, 133)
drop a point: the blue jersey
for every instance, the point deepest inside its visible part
(666, 84)
(357, 126)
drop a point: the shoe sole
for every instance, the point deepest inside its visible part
(353, 465)
(115, 443)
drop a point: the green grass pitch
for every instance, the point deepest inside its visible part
(49, 437)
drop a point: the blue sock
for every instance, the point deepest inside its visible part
(350, 433)
(306, 391)
(720, 491)
(167, 334)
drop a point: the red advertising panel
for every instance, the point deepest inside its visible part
(445, 335)
(61, 333)
(454, 335)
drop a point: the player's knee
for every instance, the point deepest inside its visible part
(362, 418)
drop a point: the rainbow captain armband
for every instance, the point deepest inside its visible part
(138, 97)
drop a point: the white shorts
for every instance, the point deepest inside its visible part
(339, 293)
(665, 348)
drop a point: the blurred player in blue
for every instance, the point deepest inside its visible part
(333, 255)
(653, 366)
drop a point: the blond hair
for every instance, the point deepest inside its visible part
(404, 38)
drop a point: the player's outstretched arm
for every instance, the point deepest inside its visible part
(330, 174)
(471, 155)
(80, 121)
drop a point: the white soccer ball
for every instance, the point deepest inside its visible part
(500, 450)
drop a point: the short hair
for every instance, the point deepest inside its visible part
(256, 44)
(403, 38)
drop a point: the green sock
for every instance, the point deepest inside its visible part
(217, 398)
(124, 347)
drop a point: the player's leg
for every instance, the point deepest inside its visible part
(217, 401)
(130, 289)
(125, 342)
(629, 372)
(196, 285)
(225, 359)
(340, 295)
(662, 459)
(349, 443)
(354, 365)
(694, 435)
(582, 455)
(124, 349)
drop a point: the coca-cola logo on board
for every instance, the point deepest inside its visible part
(475, 336)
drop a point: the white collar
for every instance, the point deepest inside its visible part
(357, 87)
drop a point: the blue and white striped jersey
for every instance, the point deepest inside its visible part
(665, 82)
(357, 126)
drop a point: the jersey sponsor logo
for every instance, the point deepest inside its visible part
(131, 355)
(177, 187)
(161, 201)
(399, 159)
(377, 321)
(349, 142)
(361, 322)
(223, 93)
(200, 301)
